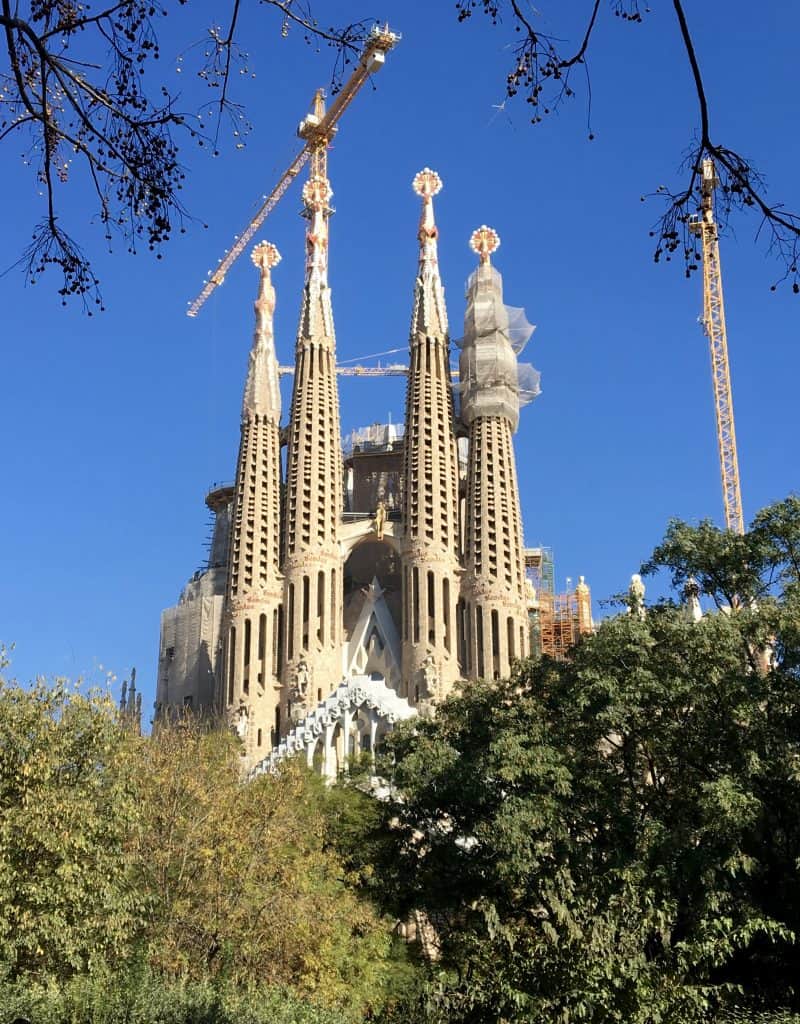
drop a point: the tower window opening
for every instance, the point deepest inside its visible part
(275, 641)
(262, 637)
(431, 608)
(415, 603)
(468, 637)
(511, 646)
(479, 638)
(404, 603)
(231, 663)
(495, 644)
(247, 642)
(277, 651)
(446, 612)
(321, 607)
(333, 628)
(290, 630)
(306, 611)
(461, 636)
(258, 738)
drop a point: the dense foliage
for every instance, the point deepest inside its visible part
(613, 838)
(66, 809)
(142, 868)
(144, 997)
(618, 837)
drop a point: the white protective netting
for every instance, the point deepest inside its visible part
(528, 382)
(494, 335)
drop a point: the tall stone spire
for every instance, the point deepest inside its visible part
(249, 682)
(495, 630)
(313, 585)
(430, 501)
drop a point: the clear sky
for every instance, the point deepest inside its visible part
(114, 427)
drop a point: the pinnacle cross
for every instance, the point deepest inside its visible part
(484, 241)
(429, 308)
(265, 256)
(317, 195)
(427, 184)
(261, 392)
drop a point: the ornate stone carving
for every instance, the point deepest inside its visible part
(241, 721)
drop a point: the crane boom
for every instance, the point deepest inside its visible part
(714, 326)
(241, 241)
(316, 129)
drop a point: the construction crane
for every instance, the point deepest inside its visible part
(713, 322)
(316, 129)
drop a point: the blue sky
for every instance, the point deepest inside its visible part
(115, 426)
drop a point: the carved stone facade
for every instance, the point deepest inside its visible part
(360, 587)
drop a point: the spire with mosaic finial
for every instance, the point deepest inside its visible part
(262, 390)
(430, 313)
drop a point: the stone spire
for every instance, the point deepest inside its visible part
(495, 626)
(430, 501)
(262, 394)
(314, 501)
(249, 681)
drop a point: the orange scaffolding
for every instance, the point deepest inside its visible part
(556, 620)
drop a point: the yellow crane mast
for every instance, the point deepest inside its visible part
(316, 129)
(714, 325)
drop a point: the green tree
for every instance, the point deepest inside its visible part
(617, 837)
(66, 808)
(237, 882)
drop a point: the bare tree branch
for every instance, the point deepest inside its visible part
(74, 81)
(542, 73)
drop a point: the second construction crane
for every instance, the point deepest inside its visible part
(316, 129)
(714, 325)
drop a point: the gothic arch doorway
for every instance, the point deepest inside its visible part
(372, 604)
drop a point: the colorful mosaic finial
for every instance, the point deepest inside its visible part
(427, 183)
(265, 256)
(484, 241)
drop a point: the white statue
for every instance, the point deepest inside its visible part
(430, 677)
(241, 722)
(298, 694)
(380, 519)
(302, 678)
(636, 595)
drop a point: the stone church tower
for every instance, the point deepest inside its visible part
(249, 680)
(340, 600)
(495, 614)
(310, 539)
(430, 549)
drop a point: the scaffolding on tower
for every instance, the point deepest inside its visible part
(557, 621)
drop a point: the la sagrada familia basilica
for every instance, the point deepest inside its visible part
(358, 587)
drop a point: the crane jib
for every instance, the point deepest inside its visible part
(317, 134)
